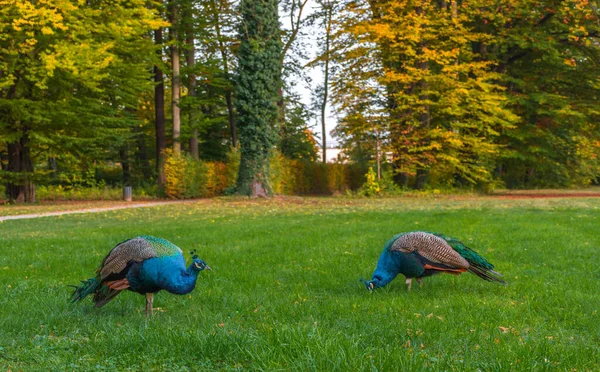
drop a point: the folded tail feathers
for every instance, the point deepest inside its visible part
(86, 288)
(102, 294)
(487, 274)
(105, 295)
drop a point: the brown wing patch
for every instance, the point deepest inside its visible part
(118, 285)
(431, 247)
(445, 269)
(136, 249)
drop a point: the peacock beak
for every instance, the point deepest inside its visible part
(208, 268)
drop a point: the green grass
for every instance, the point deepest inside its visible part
(284, 293)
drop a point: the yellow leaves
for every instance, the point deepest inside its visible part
(381, 31)
(443, 57)
(57, 34)
(156, 23)
(50, 62)
(19, 23)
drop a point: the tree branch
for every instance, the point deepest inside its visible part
(295, 26)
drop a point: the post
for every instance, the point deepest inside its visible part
(127, 193)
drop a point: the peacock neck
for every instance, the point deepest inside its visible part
(183, 282)
(388, 267)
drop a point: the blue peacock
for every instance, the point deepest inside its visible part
(418, 254)
(145, 265)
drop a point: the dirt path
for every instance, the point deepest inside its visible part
(547, 195)
(148, 204)
(92, 210)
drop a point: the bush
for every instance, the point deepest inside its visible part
(189, 178)
(371, 186)
(59, 192)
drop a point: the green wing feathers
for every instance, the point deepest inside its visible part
(161, 246)
(102, 293)
(478, 264)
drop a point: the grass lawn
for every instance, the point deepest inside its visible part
(284, 293)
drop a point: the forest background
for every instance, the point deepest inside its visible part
(196, 98)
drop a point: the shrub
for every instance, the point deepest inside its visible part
(52, 192)
(175, 174)
(189, 178)
(371, 186)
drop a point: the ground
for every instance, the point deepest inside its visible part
(284, 293)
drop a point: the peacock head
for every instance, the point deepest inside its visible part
(198, 264)
(372, 284)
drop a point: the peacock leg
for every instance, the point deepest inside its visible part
(420, 281)
(409, 283)
(149, 300)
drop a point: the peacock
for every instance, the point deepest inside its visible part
(144, 264)
(418, 254)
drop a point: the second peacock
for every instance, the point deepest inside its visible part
(418, 254)
(145, 265)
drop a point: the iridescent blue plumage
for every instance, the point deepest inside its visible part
(144, 265)
(390, 264)
(418, 254)
(168, 273)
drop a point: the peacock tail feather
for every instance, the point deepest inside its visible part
(104, 295)
(86, 288)
(466, 252)
(478, 264)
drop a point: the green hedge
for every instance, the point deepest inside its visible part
(189, 178)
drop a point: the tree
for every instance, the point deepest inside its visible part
(444, 104)
(175, 75)
(159, 109)
(189, 26)
(222, 18)
(549, 57)
(257, 85)
(324, 18)
(62, 85)
(296, 138)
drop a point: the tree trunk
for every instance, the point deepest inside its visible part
(142, 153)
(295, 23)
(192, 117)
(378, 155)
(424, 116)
(259, 77)
(326, 81)
(125, 165)
(159, 108)
(401, 179)
(424, 122)
(230, 112)
(20, 189)
(175, 79)
(194, 144)
(228, 95)
(422, 178)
